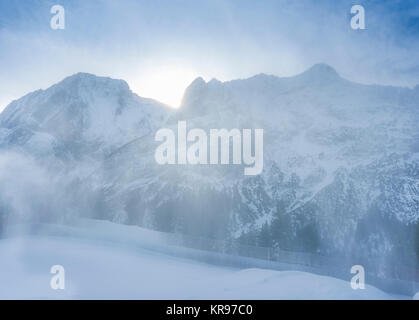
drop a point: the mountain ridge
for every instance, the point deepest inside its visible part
(340, 162)
(319, 70)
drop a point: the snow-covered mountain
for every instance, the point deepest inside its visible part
(83, 116)
(341, 159)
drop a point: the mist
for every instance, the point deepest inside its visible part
(30, 194)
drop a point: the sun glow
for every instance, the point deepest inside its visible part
(165, 84)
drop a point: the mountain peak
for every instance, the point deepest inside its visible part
(214, 81)
(321, 71)
(198, 82)
(81, 76)
(88, 81)
(194, 90)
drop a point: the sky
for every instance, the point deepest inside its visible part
(160, 46)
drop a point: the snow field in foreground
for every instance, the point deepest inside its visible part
(102, 270)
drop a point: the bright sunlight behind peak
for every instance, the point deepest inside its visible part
(165, 84)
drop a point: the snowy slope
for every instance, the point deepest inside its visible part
(98, 269)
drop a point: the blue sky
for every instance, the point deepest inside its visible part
(160, 46)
